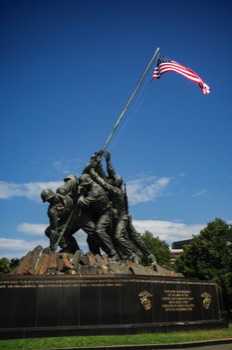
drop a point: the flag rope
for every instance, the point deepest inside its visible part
(129, 100)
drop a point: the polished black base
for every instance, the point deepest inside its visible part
(36, 306)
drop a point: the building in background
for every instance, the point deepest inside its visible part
(177, 248)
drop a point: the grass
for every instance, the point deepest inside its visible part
(94, 341)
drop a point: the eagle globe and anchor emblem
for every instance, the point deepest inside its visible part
(145, 299)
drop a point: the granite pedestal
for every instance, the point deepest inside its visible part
(59, 305)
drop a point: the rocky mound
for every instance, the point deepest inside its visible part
(46, 262)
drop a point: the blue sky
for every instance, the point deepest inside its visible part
(67, 69)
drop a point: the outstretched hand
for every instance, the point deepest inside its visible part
(107, 156)
(100, 153)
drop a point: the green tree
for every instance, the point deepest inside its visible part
(209, 256)
(158, 248)
(7, 265)
(14, 263)
(4, 265)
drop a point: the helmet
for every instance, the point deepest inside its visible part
(118, 180)
(70, 177)
(61, 191)
(85, 180)
(47, 194)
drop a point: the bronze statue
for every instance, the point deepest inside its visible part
(97, 204)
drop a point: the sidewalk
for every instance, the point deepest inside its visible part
(223, 344)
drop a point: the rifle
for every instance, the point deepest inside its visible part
(63, 230)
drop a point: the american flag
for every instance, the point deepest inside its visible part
(166, 65)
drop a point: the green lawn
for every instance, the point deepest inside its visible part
(91, 341)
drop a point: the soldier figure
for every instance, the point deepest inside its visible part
(97, 202)
(80, 218)
(59, 212)
(69, 187)
(128, 229)
(116, 196)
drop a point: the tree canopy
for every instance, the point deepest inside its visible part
(7, 265)
(158, 248)
(209, 256)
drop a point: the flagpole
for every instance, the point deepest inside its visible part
(113, 131)
(129, 100)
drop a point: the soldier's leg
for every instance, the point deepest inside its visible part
(52, 235)
(102, 225)
(85, 223)
(48, 231)
(93, 241)
(124, 246)
(94, 246)
(137, 240)
(69, 244)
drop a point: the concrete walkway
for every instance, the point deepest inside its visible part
(201, 347)
(224, 344)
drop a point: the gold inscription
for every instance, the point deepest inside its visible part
(74, 281)
(177, 300)
(57, 283)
